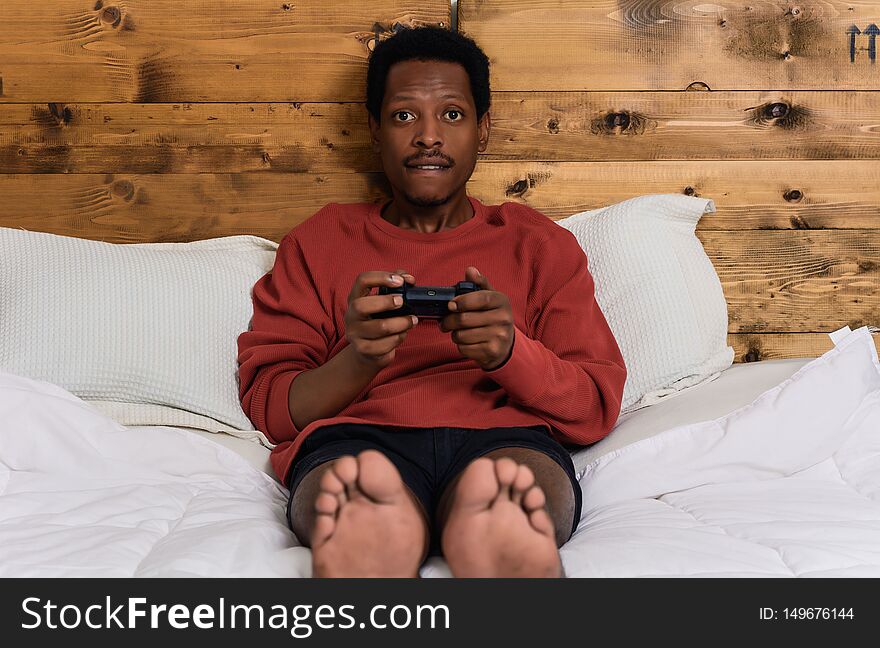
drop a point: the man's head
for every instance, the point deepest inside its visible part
(428, 101)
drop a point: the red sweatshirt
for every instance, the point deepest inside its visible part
(565, 371)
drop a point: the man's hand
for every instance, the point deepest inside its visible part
(481, 323)
(375, 340)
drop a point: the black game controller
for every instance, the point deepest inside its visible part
(425, 302)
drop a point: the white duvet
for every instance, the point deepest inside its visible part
(786, 486)
(81, 495)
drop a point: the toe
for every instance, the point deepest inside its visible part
(505, 473)
(346, 470)
(323, 530)
(523, 481)
(378, 477)
(327, 504)
(542, 522)
(478, 486)
(505, 470)
(534, 498)
(331, 482)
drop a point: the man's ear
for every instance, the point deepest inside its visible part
(374, 132)
(484, 127)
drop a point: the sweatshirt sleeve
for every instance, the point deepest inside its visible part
(571, 371)
(290, 332)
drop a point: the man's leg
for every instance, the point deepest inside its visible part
(359, 518)
(526, 499)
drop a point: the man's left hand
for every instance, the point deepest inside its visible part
(481, 323)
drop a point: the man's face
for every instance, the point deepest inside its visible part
(428, 112)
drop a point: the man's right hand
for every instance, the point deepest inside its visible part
(375, 340)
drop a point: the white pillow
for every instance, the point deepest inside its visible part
(145, 332)
(658, 291)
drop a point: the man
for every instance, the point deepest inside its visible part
(401, 438)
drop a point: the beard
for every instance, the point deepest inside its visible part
(419, 201)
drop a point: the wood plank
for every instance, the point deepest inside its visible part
(334, 137)
(146, 51)
(669, 45)
(797, 281)
(759, 194)
(748, 195)
(185, 138)
(120, 208)
(604, 126)
(774, 346)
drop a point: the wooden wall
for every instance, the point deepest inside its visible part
(172, 120)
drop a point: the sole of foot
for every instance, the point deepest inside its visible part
(498, 526)
(367, 524)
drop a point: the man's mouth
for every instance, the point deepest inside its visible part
(427, 168)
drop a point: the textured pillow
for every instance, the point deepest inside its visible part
(146, 332)
(658, 291)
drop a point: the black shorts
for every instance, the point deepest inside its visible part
(428, 459)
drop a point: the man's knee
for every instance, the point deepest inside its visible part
(302, 502)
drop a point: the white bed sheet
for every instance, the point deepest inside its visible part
(735, 387)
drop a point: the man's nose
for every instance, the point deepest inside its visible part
(429, 135)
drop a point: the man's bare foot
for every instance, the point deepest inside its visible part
(367, 523)
(498, 526)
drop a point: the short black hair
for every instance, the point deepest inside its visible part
(428, 44)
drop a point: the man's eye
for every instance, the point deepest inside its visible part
(457, 112)
(401, 112)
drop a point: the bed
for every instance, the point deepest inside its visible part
(124, 450)
(742, 475)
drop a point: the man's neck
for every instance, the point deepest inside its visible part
(428, 220)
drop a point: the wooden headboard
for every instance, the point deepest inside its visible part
(148, 120)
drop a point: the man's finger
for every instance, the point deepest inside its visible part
(473, 274)
(366, 281)
(476, 301)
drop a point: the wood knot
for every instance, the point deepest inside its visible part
(698, 86)
(518, 188)
(99, 5)
(123, 188)
(621, 122)
(781, 114)
(112, 15)
(776, 110)
(793, 195)
(61, 113)
(689, 191)
(722, 23)
(616, 120)
(752, 355)
(286, 7)
(799, 223)
(553, 125)
(786, 55)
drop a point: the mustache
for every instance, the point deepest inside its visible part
(427, 158)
